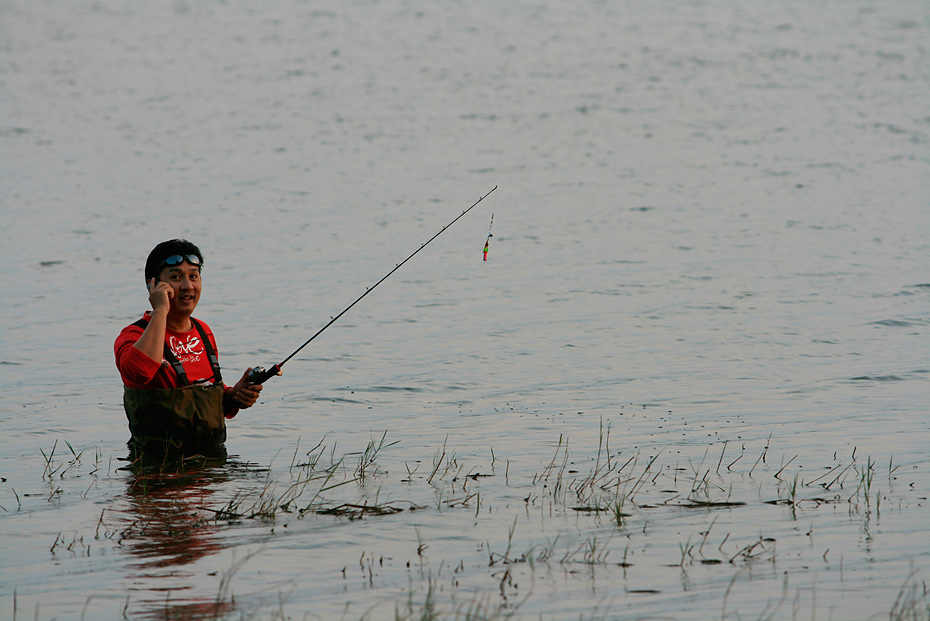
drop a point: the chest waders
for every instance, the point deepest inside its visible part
(177, 418)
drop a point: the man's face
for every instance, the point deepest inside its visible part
(185, 283)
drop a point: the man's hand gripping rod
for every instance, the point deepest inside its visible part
(260, 375)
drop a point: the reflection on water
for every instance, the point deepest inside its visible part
(166, 499)
(169, 528)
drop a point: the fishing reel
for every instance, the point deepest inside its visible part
(259, 375)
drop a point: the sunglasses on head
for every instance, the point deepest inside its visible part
(177, 259)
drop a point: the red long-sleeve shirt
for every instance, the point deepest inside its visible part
(139, 371)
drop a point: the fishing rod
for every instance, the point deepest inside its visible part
(260, 375)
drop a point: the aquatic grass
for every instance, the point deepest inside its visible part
(313, 461)
(913, 600)
(733, 463)
(722, 453)
(438, 496)
(263, 504)
(452, 503)
(366, 461)
(777, 475)
(863, 490)
(762, 455)
(439, 458)
(829, 471)
(772, 609)
(700, 486)
(314, 502)
(891, 470)
(19, 502)
(610, 497)
(686, 549)
(296, 450)
(478, 608)
(617, 512)
(76, 541)
(638, 486)
(593, 552)
(709, 504)
(536, 553)
(754, 551)
(867, 477)
(223, 592)
(51, 468)
(705, 534)
(584, 489)
(505, 557)
(545, 475)
(358, 511)
(73, 462)
(47, 473)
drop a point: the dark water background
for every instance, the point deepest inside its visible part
(710, 234)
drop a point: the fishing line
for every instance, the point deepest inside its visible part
(260, 375)
(487, 242)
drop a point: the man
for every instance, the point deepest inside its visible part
(174, 394)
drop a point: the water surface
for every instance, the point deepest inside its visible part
(710, 239)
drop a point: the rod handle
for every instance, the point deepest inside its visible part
(260, 375)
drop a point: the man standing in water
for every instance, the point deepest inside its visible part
(174, 394)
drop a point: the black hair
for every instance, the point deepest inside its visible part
(166, 249)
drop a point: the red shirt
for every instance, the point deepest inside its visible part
(139, 371)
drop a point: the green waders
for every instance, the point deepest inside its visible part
(189, 417)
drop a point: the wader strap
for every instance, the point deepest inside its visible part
(211, 354)
(177, 366)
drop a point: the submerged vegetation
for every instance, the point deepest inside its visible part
(639, 529)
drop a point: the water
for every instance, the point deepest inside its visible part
(710, 240)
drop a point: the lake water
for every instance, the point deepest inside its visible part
(690, 381)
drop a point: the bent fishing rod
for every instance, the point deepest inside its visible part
(260, 375)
